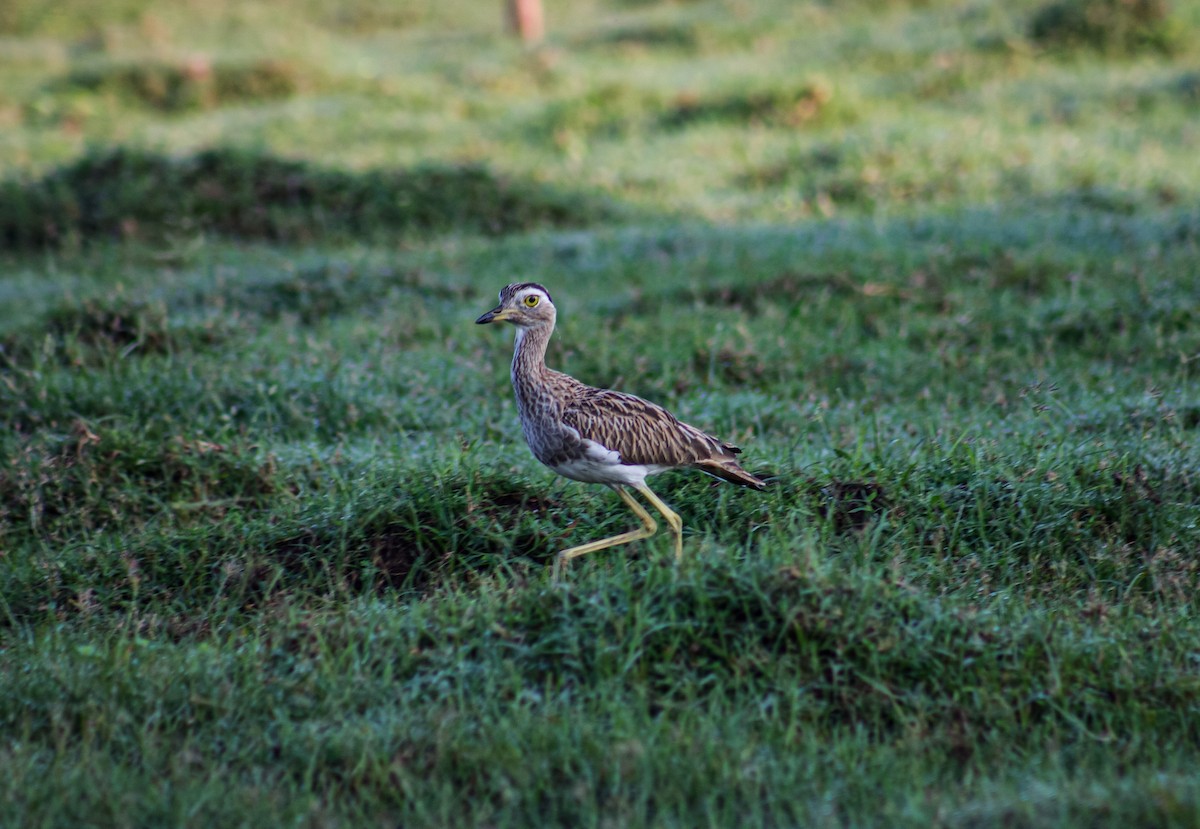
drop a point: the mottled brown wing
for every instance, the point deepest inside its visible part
(641, 431)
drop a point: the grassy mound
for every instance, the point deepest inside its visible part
(194, 84)
(128, 193)
(1111, 26)
(96, 478)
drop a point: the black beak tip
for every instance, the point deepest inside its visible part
(484, 319)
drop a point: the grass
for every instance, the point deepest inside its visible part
(271, 547)
(1105, 25)
(231, 193)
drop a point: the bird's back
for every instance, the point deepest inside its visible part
(646, 434)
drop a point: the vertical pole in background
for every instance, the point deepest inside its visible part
(525, 18)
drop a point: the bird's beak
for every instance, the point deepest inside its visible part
(497, 314)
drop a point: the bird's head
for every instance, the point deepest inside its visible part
(524, 304)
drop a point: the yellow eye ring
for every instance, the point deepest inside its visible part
(531, 301)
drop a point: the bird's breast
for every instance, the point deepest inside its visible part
(550, 439)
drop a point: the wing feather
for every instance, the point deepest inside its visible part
(641, 431)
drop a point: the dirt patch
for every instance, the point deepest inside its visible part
(797, 106)
(385, 557)
(851, 505)
(429, 538)
(501, 502)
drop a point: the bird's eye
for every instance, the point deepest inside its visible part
(531, 301)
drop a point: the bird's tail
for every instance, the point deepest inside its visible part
(727, 469)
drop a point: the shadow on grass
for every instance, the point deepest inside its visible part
(1114, 27)
(213, 524)
(135, 194)
(98, 330)
(427, 538)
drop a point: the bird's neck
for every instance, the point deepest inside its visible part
(529, 355)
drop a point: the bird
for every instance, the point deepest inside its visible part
(601, 436)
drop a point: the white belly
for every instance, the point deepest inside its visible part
(603, 466)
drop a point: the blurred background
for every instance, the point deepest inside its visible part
(728, 110)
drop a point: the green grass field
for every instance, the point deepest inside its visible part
(273, 551)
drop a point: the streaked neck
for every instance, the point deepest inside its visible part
(529, 355)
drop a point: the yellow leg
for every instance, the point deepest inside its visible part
(672, 517)
(649, 527)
